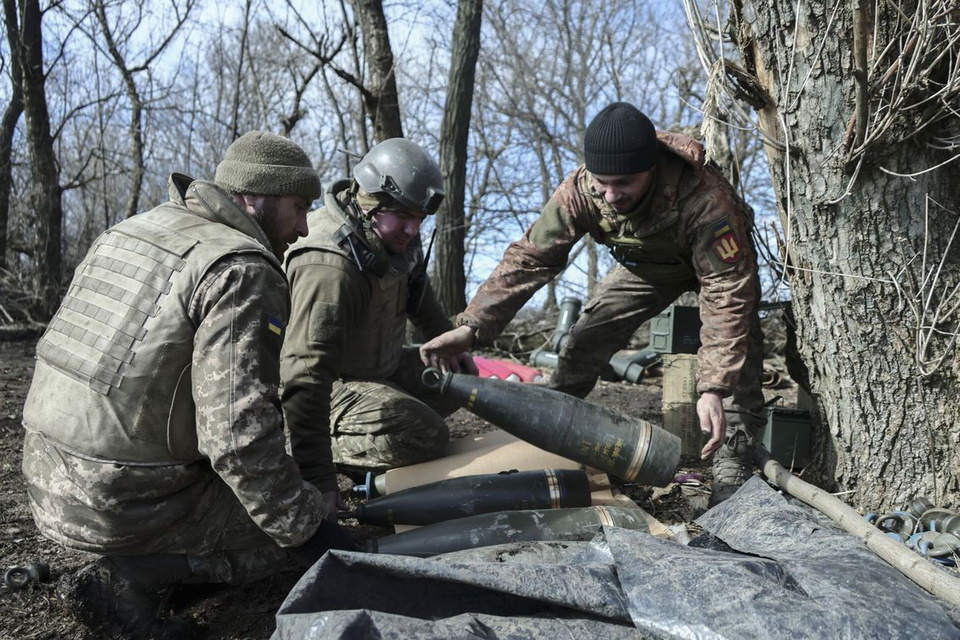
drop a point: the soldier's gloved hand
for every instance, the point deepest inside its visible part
(713, 421)
(333, 503)
(329, 535)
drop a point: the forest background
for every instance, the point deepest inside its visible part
(137, 90)
(839, 122)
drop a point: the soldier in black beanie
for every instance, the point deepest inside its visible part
(674, 224)
(620, 140)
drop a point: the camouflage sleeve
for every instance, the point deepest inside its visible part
(726, 266)
(430, 318)
(240, 309)
(329, 296)
(529, 263)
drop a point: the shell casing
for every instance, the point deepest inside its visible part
(471, 495)
(629, 448)
(508, 526)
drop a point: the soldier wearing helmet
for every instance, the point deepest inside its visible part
(351, 391)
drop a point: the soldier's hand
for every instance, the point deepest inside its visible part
(333, 503)
(462, 363)
(329, 535)
(712, 421)
(447, 347)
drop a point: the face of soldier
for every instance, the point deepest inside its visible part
(283, 219)
(397, 228)
(623, 192)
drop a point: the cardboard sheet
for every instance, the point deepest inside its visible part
(490, 452)
(496, 451)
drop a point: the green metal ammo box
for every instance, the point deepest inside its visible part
(787, 436)
(676, 330)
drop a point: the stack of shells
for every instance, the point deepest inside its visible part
(931, 531)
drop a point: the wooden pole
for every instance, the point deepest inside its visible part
(919, 569)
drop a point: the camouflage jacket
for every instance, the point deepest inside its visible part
(157, 385)
(691, 225)
(345, 324)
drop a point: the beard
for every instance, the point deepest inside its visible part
(265, 214)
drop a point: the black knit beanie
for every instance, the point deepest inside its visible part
(265, 164)
(620, 140)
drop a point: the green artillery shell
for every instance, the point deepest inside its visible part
(569, 313)
(630, 365)
(541, 359)
(489, 529)
(470, 495)
(629, 448)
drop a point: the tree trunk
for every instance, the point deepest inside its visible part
(46, 191)
(454, 133)
(858, 272)
(238, 86)
(381, 97)
(136, 115)
(593, 265)
(8, 127)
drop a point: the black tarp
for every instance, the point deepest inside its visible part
(769, 567)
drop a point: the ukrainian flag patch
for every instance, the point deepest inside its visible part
(725, 244)
(274, 325)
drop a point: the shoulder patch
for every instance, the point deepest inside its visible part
(725, 245)
(274, 325)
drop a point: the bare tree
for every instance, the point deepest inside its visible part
(115, 39)
(549, 77)
(373, 76)
(45, 192)
(857, 106)
(241, 56)
(455, 129)
(380, 95)
(8, 126)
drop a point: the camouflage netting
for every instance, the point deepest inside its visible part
(768, 567)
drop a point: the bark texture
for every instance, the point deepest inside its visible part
(46, 192)
(380, 96)
(8, 126)
(135, 130)
(454, 133)
(888, 432)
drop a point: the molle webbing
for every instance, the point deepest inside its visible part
(117, 289)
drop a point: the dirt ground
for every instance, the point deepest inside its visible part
(247, 612)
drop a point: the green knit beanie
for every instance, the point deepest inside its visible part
(265, 164)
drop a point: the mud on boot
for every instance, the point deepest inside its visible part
(124, 597)
(733, 463)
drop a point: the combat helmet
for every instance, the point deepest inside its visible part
(402, 170)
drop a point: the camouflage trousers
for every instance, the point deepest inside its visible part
(72, 504)
(385, 423)
(621, 303)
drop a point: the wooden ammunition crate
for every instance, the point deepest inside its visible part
(680, 419)
(680, 401)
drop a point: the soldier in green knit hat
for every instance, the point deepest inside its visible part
(154, 436)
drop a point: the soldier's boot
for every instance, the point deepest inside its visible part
(125, 595)
(575, 378)
(733, 463)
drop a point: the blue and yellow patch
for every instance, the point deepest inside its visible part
(725, 245)
(274, 325)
